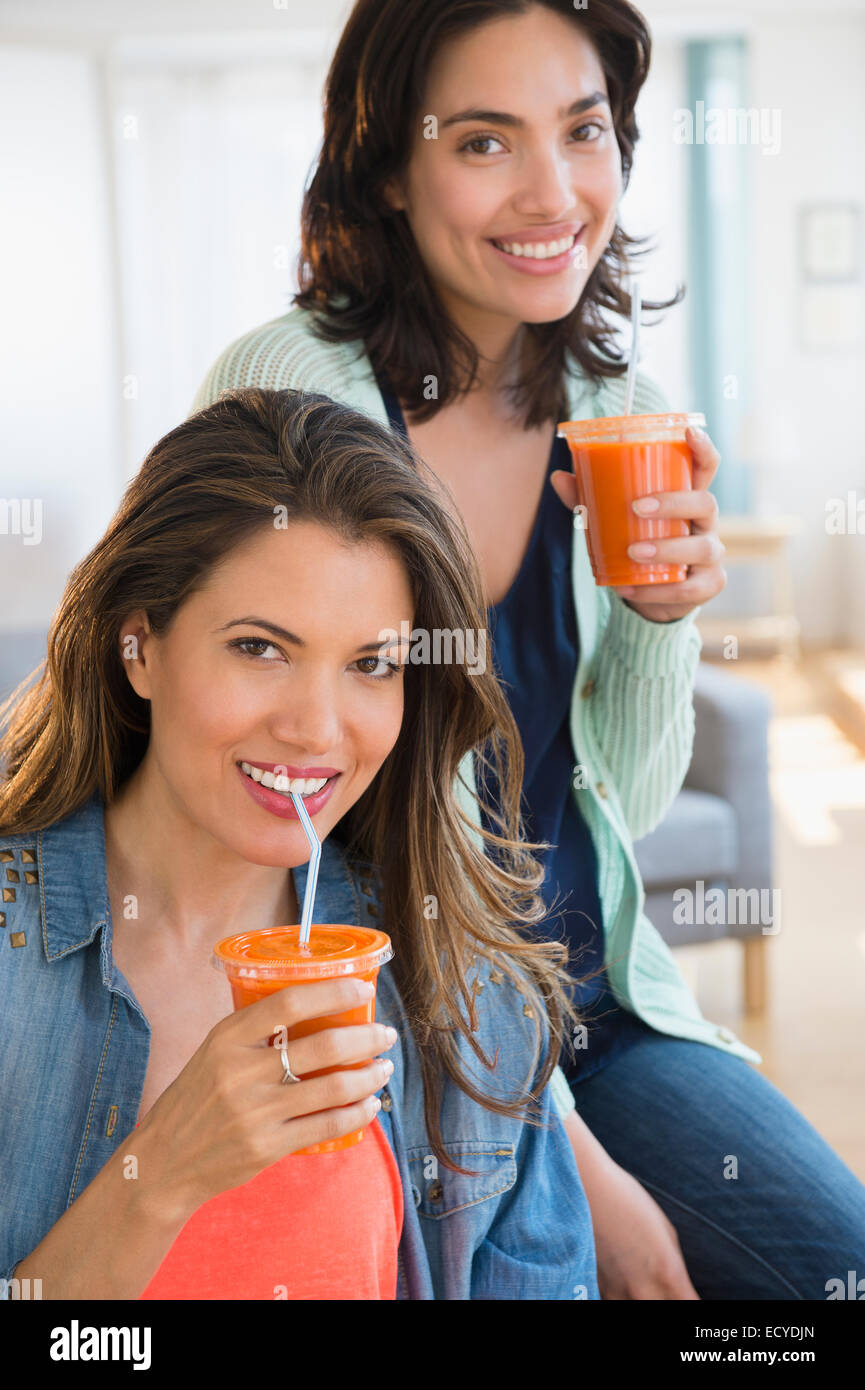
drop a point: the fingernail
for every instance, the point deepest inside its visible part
(365, 988)
(388, 1066)
(641, 551)
(644, 505)
(390, 1034)
(376, 1104)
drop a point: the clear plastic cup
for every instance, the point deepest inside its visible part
(616, 460)
(258, 963)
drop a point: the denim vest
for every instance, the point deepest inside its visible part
(75, 1053)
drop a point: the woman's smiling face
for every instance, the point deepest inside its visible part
(538, 162)
(269, 665)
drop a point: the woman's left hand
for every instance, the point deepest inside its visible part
(701, 551)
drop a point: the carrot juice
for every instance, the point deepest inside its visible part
(617, 460)
(258, 963)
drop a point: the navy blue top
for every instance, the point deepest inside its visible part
(535, 646)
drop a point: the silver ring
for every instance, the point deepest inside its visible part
(287, 1073)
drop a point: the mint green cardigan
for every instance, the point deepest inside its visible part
(632, 716)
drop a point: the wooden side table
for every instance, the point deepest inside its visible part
(760, 540)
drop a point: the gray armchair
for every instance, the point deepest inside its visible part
(718, 831)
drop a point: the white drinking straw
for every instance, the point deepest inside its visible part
(636, 310)
(312, 872)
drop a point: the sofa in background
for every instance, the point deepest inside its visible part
(718, 831)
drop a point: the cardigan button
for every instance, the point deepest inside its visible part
(602, 791)
(435, 1191)
(386, 1102)
(587, 689)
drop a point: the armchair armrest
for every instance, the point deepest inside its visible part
(731, 759)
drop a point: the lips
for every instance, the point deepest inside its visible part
(277, 803)
(554, 233)
(528, 264)
(290, 770)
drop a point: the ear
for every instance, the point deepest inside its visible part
(393, 195)
(135, 644)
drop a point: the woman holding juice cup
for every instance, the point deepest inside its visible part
(461, 258)
(203, 665)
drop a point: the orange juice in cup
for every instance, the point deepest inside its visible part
(616, 460)
(258, 963)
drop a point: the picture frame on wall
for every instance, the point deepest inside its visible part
(830, 270)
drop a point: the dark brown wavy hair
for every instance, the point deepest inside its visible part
(81, 729)
(360, 271)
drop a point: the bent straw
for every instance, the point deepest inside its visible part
(312, 874)
(636, 310)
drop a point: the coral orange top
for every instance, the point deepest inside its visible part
(311, 1226)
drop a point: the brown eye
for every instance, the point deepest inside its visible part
(259, 646)
(381, 669)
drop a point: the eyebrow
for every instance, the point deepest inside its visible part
(291, 637)
(475, 113)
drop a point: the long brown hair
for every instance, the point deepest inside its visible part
(360, 269)
(81, 730)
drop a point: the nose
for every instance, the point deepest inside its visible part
(546, 183)
(307, 721)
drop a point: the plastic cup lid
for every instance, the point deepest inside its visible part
(275, 953)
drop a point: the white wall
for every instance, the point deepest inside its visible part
(96, 365)
(654, 205)
(811, 401)
(804, 427)
(59, 412)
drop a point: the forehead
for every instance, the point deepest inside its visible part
(506, 53)
(305, 566)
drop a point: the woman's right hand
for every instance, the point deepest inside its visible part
(228, 1115)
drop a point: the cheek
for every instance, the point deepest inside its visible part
(377, 729)
(602, 185)
(198, 709)
(449, 201)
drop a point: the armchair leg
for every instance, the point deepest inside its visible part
(756, 996)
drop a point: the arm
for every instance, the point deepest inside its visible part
(640, 712)
(110, 1242)
(637, 1247)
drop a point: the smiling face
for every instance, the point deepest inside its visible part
(537, 166)
(268, 666)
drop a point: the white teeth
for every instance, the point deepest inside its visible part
(537, 250)
(302, 786)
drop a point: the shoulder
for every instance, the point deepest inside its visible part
(649, 399)
(286, 354)
(605, 396)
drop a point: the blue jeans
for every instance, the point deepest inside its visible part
(678, 1115)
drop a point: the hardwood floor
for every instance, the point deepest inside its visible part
(812, 1034)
